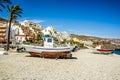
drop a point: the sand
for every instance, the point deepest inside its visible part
(83, 66)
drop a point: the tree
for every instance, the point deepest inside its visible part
(4, 3)
(14, 12)
(71, 41)
(39, 36)
(64, 41)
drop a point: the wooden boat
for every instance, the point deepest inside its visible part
(105, 50)
(98, 48)
(48, 50)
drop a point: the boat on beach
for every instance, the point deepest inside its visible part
(48, 50)
(56, 52)
(98, 48)
(105, 50)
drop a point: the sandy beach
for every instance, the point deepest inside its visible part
(84, 66)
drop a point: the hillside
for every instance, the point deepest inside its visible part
(105, 42)
(84, 37)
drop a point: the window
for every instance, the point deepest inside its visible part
(49, 40)
(44, 39)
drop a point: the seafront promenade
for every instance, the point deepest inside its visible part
(83, 66)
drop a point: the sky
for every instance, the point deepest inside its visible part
(99, 18)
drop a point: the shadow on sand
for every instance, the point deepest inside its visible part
(102, 53)
(52, 57)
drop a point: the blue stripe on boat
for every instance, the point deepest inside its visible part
(51, 48)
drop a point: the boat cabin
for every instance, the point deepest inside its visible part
(48, 41)
(98, 47)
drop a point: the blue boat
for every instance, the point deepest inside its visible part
(116, 51)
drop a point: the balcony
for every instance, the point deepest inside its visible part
(2, 31)
(2, 27)
(2, 35)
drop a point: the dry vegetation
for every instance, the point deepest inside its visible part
(105, 42)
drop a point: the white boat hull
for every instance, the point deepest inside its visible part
(48, 52)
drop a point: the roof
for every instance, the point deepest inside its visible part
(47, 37)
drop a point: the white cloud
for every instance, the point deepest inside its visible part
(37, 20)
(32, 20)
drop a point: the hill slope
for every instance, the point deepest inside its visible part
(105, 42)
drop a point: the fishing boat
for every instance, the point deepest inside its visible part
(98, 48)
(48, 50)
(105, 50)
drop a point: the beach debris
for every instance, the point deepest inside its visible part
(4, 52)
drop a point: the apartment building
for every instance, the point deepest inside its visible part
(2, 33)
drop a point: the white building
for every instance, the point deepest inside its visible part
(59, 35)
(64, 35)
(34, 27)
(49, 31)
(87, 42)
(20, 38)
(16, 34)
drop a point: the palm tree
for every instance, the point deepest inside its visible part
(14, 12)
(4, 3)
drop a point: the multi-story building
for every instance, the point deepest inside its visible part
(64, 35)
(60, 36)
(33, 26)
(2, 33)
(31, 29)
(87, 42)
(17, 33)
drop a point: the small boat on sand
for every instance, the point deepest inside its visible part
(48, 50)
(98, 48)
(105, 50)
